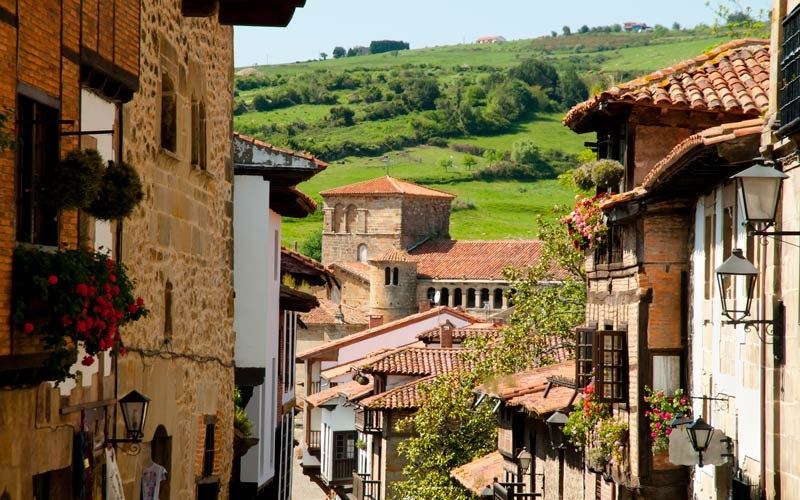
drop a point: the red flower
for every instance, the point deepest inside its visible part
(53, 279)
(87, 361)
(133, 308)
(81, 289)
(123, 351)
(27, 328)
(139, 301)
(113, 278)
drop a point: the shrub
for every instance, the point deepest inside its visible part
(119, 194)
(582, 177)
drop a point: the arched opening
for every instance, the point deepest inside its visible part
(395, 276)
(387, 276)
(445, 297)
(338, 216)
(350, 219)
(485, 298)
(471, 298)
(362, 253)
(431, 294)
(498, 298)
(458, 298)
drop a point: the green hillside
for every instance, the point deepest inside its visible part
(480, 121)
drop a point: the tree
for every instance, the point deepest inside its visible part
(446, 163)
(553, 34)
(421, 93)
(536, 72)
(312, 245)
(380, 46)
(566, 31)
(323, 55)
(584, 29)
(492, 156)
(469, 161)
(739, 22)
(676, 26)
(342, 115)
(571, 89)
(526, 152)
(339, 52)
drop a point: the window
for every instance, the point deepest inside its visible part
(790, 73)
(583, 356)
(395, 276)
(337, 218)
(199, 134)
(38, 150)
(344, 445)
(387, 276)
(208, 451)
(609, 365)
(350, 219)
(168, 114)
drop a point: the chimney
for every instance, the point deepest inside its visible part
(424, 305)
(375, 320)
(446, 335)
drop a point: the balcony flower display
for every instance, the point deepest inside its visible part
(72, 297)
(591, 426)
(662, 409)
(586, 224)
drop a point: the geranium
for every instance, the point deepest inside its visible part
(662, 410)
(591, 426)
(586, 223)
(72, 297)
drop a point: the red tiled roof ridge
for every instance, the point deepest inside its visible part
(393, 254)
(355, 268)
(680, 74)
(305, 259)
(356, 337)
(403, 396)
(388, 185)
(307, 156)
(417, 360)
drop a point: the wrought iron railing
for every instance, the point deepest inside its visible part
(369, 420)
(342, 470)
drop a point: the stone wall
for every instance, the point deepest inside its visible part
(177, 245)
(393, 301)
(354, 291)
(424, 218)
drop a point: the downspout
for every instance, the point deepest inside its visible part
(763, 367)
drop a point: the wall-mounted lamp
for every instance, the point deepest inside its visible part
(358, 376)
(524, 458)
(555, 427)
(700, 435)
(736, 266)
(134, 407)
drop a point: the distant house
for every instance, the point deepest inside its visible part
(636, 27)
(490, 39)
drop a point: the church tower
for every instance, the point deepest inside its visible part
(393, 285)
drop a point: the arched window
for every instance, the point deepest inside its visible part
(362, 253)
(485, 298)
(431, 294)
(169, 125)
(395, 276)
(458, 298)
(198, 134)
(498, 298)
(338, 216)
(444, 299)
(387, 276)
(471, 298)
(350, 219)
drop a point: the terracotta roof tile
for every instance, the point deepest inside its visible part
(339, 370)
(417, 361)
(393, 254)
(459, 334)
(479, 473)
(403, 397)
(350, 390)
(387, 185)
(357, 269)
(379, 330)
(325, 314)
(732, 78)
(507, 387)
(559, 397)
(484, 260)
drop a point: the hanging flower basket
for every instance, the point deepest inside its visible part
(586, 224)
(76, 180)
(662, 409)
(70, 297)
(120, 192)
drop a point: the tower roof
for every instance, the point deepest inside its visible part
(387, 185)
(393, 254)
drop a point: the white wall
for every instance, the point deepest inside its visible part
(341, 418)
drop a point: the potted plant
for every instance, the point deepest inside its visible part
(586, 224)
(72, 297)
(120, 192)
(75, 180)
(662, 409)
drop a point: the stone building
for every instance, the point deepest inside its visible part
(388, 243)
(148, 84)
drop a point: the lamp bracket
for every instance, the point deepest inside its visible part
(774, 233)
(133, 446)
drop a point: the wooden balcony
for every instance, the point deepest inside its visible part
(364, 488)
(313, 440)
(313, 387)
(342, 470)
(510, 491)
(369, 421)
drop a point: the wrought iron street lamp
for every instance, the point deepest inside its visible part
(700, 435)
(759, 192)
(736, 266)
(524, 458)
(555, 427)
(134, 407)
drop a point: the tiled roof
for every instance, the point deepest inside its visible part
(321, 165)
(304, 260)
(357, 269)
(340, 370)
(393, 254)
(403, 397)
(732, 78)
(350, 390)
(518, 384)
(672, 164)
(381, 329)
(417, 361)
(480, 473)
(559, 397)
(325, 314)
(459, 334)
(387, 185)
(482, 260)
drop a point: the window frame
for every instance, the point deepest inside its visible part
(612, 373)
(789, 91)
(584, 361)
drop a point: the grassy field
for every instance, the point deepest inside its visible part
(484, 210)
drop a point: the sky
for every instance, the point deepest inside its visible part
(324, 24)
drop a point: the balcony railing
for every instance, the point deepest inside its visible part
(342, 471)
(313, 387)
(313, 440)
(369, 420)
(509, 491)
(364, 488)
